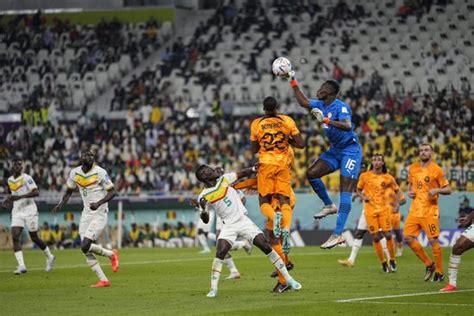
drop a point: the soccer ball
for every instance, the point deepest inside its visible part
(281, 67)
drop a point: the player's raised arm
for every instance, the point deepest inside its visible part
(246, 172)
(300, 96)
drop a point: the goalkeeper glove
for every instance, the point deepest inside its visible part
(318, 114)
(291, 77)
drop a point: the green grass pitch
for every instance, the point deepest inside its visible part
(176, 281)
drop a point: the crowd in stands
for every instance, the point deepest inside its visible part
(168, 132)
(51, 63)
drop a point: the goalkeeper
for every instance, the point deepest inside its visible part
(344, 153)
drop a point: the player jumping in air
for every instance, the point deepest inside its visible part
(463, 244)
(96, 190)
(425, 182)
(22, 190)
(272, 137)
(220, 196)
(345, 153)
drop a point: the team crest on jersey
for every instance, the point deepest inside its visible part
(329, 115)
(383, 184)
(427, 179)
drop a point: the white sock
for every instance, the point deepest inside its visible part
(216, 272)
(203, 242)
(454, 262)
(229, 262)
(19, 258)
(101, 251)
(355, 249)
(47, 252)
(95, 266)
(238, 244)
(383, 242)
(275, 259)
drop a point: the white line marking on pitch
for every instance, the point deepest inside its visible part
(399, 295)
(413, 303)
(176, 261)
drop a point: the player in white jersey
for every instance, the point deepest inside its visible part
(96, 190)
(463, 244)
(22, 190)
(220, 196)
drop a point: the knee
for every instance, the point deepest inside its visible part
(376, 237)
(359, 234)
(387, 235)
(266, 248)
(85, 246)
(221, 253)
(458, 249)
(434, 241)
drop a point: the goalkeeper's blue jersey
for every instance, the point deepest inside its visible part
(336, 111)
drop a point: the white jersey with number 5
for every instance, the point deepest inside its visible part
(92, 185)
(224, 199)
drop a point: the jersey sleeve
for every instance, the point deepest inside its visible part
(104, 180)
(253, 131)
(292, 125)
(70, 183)
(344, 112)
(441, 178)
(30, 183)
(316, 104)
(361, 182)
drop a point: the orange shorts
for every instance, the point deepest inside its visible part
(395, 217)
(377, 221)
(274, 179)
(414, 225)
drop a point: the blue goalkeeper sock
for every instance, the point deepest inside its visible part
(319, 188)
(343, 213)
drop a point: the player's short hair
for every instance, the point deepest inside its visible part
(270, 104)
(334, 85)
(199, 173)
(426, 144)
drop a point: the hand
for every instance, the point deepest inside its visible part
(56, 209)
(411, 194)
(291, 76)
(432, 193)
(464, 220)
(94, 206)
(318, 114)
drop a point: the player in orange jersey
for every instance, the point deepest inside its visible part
(395, 203)
(272, 136)
(372, 189)
(425, 182)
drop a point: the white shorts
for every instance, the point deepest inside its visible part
(243, 228)
(25, 219)
(206, 227)
(362, 224)
(92, 225)
(219, 223)
(469, 233)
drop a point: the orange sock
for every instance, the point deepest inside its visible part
(438, 256)
(287, 215)
(379, 251)
(279, 251)
(418, 250)
(267, 211)
(391, 248)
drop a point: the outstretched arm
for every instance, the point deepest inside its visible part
(300, 96)
(246, 172)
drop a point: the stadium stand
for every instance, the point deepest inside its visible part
(405, 79)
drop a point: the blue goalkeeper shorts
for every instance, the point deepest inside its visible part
(347, 159)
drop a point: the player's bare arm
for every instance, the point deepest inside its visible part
(362, 196)
(301, 97)
(246, 172)
(446, 190)
(345, 125)
(63, 201)
(254, 146)
(32, 194)
(296, 141)
(111, 193)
